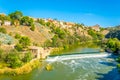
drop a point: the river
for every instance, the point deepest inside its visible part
(97, 66)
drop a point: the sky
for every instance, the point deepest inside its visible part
(106, 13)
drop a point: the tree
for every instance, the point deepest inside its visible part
(32, 28)
(24, 41)
(113, 44)
(4, 17)
(16, 15)
(19, 47)
(3, 30)
(17, 36)
(61, 33)
(13, 60)
(27, 57)
(26, 21)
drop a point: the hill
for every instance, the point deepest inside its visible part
(114, 32)
(49, 32)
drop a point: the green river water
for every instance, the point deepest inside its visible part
(71, 67)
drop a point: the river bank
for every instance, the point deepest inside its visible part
(28, 67)
(69, 68)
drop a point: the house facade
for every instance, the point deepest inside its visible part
(7, 23)
(36, 51)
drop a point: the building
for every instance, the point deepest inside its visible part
(7, 23)
(36, 51)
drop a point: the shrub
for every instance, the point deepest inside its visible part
(27, 57)
(24, 41)
(13, 60)
(32, 28)
(17, 36)
(3, 30)
(19, 47)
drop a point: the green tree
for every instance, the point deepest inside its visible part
(16, 15)
(54, 41)
(61, 33)
(26, 21)
(113, 44)
(25, 41)
(13, 60)
(32, 28)
(17, 36)
(27, 57)
(19, 47)
(3, 30)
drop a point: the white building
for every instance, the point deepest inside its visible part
(7, 23)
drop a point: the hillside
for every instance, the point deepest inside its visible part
(114, 32)
(49, 32)
(38, 36)
(44, 32)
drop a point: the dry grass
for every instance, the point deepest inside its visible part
(36, 36)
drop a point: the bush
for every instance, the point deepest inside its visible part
(32, 28)
(6, 39)
(13, 60)
(19, 47)
(24, 41)
(27, 57)
(3, 30)
(1, 54)
(17, 36)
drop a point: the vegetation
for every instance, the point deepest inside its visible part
(4, 18)
(13, 60)
(25, 41)
(19, 47)
(3, 30)
(114, 45)
(17, 36)
(6, 39)
(32, 28)
(27, 57)
(95, 35)
(63, 37)
(26, 21)
(28, 67)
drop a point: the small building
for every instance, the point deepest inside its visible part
(7, 23)
(36, 51)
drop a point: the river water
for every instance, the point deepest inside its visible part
(74, 67)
